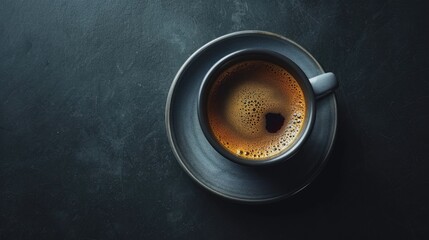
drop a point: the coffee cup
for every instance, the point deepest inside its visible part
(257, 107)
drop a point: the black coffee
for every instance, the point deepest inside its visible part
(256, 109)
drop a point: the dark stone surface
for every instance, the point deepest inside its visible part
(83, 149)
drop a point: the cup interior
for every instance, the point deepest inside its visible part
(264, 56)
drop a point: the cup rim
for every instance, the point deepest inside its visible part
(276, 58)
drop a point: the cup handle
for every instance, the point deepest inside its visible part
(323, 84)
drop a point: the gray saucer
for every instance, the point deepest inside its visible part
(220, 175)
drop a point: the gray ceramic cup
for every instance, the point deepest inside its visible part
(313, 89)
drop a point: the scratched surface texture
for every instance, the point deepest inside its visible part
(83, 148)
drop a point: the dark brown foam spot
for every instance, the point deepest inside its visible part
(274, 122)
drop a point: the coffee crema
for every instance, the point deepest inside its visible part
(255, 109)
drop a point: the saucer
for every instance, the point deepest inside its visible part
(220, 175)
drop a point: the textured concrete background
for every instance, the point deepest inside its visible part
(83, 149)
